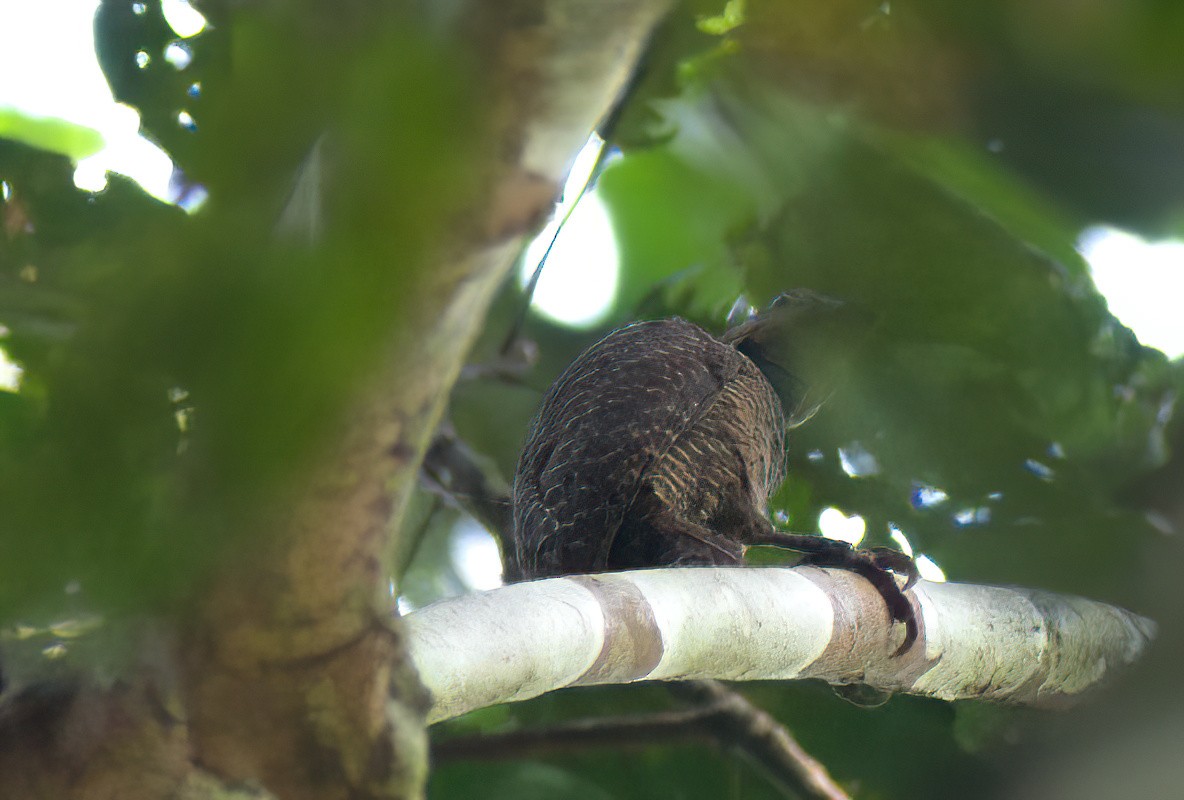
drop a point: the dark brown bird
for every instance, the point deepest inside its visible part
(660, 445)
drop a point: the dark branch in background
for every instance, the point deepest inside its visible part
(513, 338)
(507, 367)
(756, 734)
(721, 717)
(513, 335)
(638, 730)
(451, 469)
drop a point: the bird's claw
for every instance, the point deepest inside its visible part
(879, 565)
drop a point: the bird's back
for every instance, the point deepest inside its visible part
(609, 420)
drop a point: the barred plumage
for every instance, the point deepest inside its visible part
(659, 445)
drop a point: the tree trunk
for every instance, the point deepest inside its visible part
(291, 677)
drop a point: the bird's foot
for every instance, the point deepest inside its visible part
(879, 565)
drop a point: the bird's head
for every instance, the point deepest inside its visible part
(803, 343)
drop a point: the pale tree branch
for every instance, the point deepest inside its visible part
(723, 716)
(1009, 645)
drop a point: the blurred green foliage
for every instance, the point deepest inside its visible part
(130, 317)
(54, 135)
(931, 163)
(864, 151)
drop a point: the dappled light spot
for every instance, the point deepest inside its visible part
(834, 524)
(10, 373)
(188, 196)
(54, 651)
(476, 556)
(1160, 522)
(741, 311)
(966, 517)
(52, 640)
(815, 456)
(1142, 282)
(184, 19)
(1039, 469)
(928, 569)
(194, 89)
(139, 159)
(74, 627)
(925, 496)
(579, 282)
(178, 54)
(857, 461)
(898, 536)
(186, 121)
(77, 91)
(90, 175)
(182, 409)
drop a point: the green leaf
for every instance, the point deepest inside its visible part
(48, 133)
(731, 17)
(988, 346)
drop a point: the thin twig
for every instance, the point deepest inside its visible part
(638, 730)
(520, 321)
(756, 734)
(452, 470)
